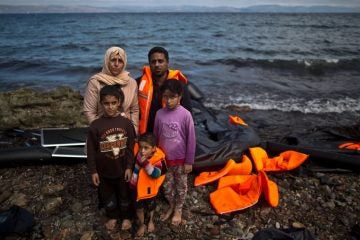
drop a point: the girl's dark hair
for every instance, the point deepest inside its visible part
(148, 138)
(158, 50)
(173, 86)
(112, 90)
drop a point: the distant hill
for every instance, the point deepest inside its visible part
(253, 9)
(300, 9)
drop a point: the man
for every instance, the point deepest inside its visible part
(149, 84)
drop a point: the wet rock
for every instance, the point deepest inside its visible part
(277, 225)
(52, 189)
(297, 225)
(88, 235)
(52, 204)
(19, 199)
(215, 230)
(76, 207)
(4, 195)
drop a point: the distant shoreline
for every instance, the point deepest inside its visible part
(30, 9)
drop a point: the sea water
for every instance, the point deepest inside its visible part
(288, 62)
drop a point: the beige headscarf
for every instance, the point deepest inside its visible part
(105, 75)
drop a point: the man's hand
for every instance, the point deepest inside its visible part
(95, 179)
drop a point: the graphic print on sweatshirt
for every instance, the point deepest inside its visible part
(170, 130)
(113, 143)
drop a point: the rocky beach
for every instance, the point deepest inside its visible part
(60, 196)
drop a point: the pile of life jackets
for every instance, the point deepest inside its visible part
(238, 187)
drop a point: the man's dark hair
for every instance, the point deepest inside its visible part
(158, 50)
(112, 90)
(148, 138)
(173, 86)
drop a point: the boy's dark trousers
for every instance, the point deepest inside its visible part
(114, 196)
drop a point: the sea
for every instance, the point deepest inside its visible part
(266, 61)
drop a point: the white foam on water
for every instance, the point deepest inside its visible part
(319, 105)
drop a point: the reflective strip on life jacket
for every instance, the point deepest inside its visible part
(146, 94)
(236, 120)
(231, 168)
(287, 160)
(351, 145)
(148, 187)
(237, 197)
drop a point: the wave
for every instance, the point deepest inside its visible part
(20, 64)
(313, 66)
(317, 106)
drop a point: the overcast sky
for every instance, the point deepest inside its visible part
(209, 3)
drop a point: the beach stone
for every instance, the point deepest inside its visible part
(19, 199)
(87, 235)
(47, 231)
(4, 195)
(53, 203)
(297, 225)
(52, 189)
(76, 207)
(215, 230)
(277, 225)
(330, 204)
(265, 211)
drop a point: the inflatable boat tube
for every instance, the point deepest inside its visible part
(24, 154)
(334, 158)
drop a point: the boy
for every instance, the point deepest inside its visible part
(175, 133)
(146, 180)
(110, 145)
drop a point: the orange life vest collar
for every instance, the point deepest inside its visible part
(146, 94)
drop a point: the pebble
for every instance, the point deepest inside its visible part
(277, 225)
(53, 203)
(297, 225)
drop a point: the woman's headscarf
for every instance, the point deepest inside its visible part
(106, 76)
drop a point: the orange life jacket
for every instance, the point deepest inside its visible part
(236, 120)
(148, 187)
(145, 94)
(237, 192)
(231, 168)
(287, 160)
(243, 194)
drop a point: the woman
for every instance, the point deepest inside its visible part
(113, 72)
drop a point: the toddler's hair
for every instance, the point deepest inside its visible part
(148, 138)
